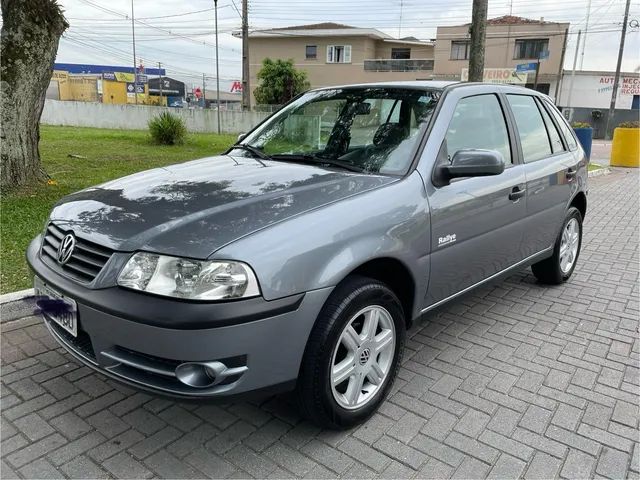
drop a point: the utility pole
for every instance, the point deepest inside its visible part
(133, 40)
(616, 80)
(586, 30)
(160, 75)
(573, 74)
(556, 93)
(478, 36)
(215, 2)
(204, 93)
(246, 94)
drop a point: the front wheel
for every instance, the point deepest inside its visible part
(353, 354)
(559, 267)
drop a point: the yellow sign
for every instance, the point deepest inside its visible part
(124, 77)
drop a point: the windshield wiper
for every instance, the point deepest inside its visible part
(250, 148)
(308, 158)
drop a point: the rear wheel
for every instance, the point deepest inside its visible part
(559, 267)
(353, 354)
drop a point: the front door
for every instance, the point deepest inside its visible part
(476, 223)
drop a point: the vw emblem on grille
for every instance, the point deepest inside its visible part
(364, 356)
(65, 249)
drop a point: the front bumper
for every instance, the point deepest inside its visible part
(254, 344)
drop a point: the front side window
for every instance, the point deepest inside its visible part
(400, 53)
(311, 52)
(530, 48)
(371, 130)
(478, 122)
(533, 134)
(460, 50)
(339, 54)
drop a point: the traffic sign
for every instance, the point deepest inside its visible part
(526, 67)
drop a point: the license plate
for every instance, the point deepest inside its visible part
(56, 307)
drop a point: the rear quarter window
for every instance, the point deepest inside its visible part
(567, 132)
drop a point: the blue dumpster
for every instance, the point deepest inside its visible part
(585, 136)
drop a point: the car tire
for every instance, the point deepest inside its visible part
(559, 267)
(334, 352)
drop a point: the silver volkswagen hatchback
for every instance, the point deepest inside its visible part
(298, 259)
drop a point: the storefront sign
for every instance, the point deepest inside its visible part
(499, 75)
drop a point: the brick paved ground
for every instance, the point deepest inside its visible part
(518, 380)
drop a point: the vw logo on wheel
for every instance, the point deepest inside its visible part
(65, 250)
(364, 356)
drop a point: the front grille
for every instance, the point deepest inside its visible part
(86, 260)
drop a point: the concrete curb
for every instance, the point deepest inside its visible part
(15, 296)
(599, 172)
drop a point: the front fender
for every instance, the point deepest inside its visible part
(319, 248)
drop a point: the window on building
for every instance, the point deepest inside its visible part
(401, 53)
(311, 52)
(533, 134)
(339, 54)
(530, 48)
(460, 50)
(478, 122)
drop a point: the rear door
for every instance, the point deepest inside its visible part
(549, 167)
(476, 223)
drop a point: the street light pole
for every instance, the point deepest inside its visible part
(133, 39)
(215, 2)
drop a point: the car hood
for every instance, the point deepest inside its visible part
(194, 208)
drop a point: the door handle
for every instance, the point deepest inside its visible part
(571, 173)
(517, 193)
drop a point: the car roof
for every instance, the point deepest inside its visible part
(417, 84)
(438, 85)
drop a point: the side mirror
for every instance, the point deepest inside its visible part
(472, 163)
(241, 137)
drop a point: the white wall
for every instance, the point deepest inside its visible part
(593, 90)
(136, 117)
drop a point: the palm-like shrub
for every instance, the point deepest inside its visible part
(167, 129)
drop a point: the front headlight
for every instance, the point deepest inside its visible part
(190, 279)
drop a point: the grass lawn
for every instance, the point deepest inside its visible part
(109, 154)
(593, 166)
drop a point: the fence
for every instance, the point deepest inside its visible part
(136, 117)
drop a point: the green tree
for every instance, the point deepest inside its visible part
(31, 30)
(279, 82)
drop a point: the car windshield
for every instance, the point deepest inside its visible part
(372, 130)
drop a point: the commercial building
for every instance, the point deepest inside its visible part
(332, 53)
(114, 84)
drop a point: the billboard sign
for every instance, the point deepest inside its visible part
(498, 75)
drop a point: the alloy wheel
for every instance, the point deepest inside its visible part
(569, 245)
(363, 357)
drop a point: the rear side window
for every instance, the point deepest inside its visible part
(566, 131)
(478, 122)
(531, 129)
(552, 130)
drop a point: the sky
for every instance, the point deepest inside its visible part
(180, 34)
